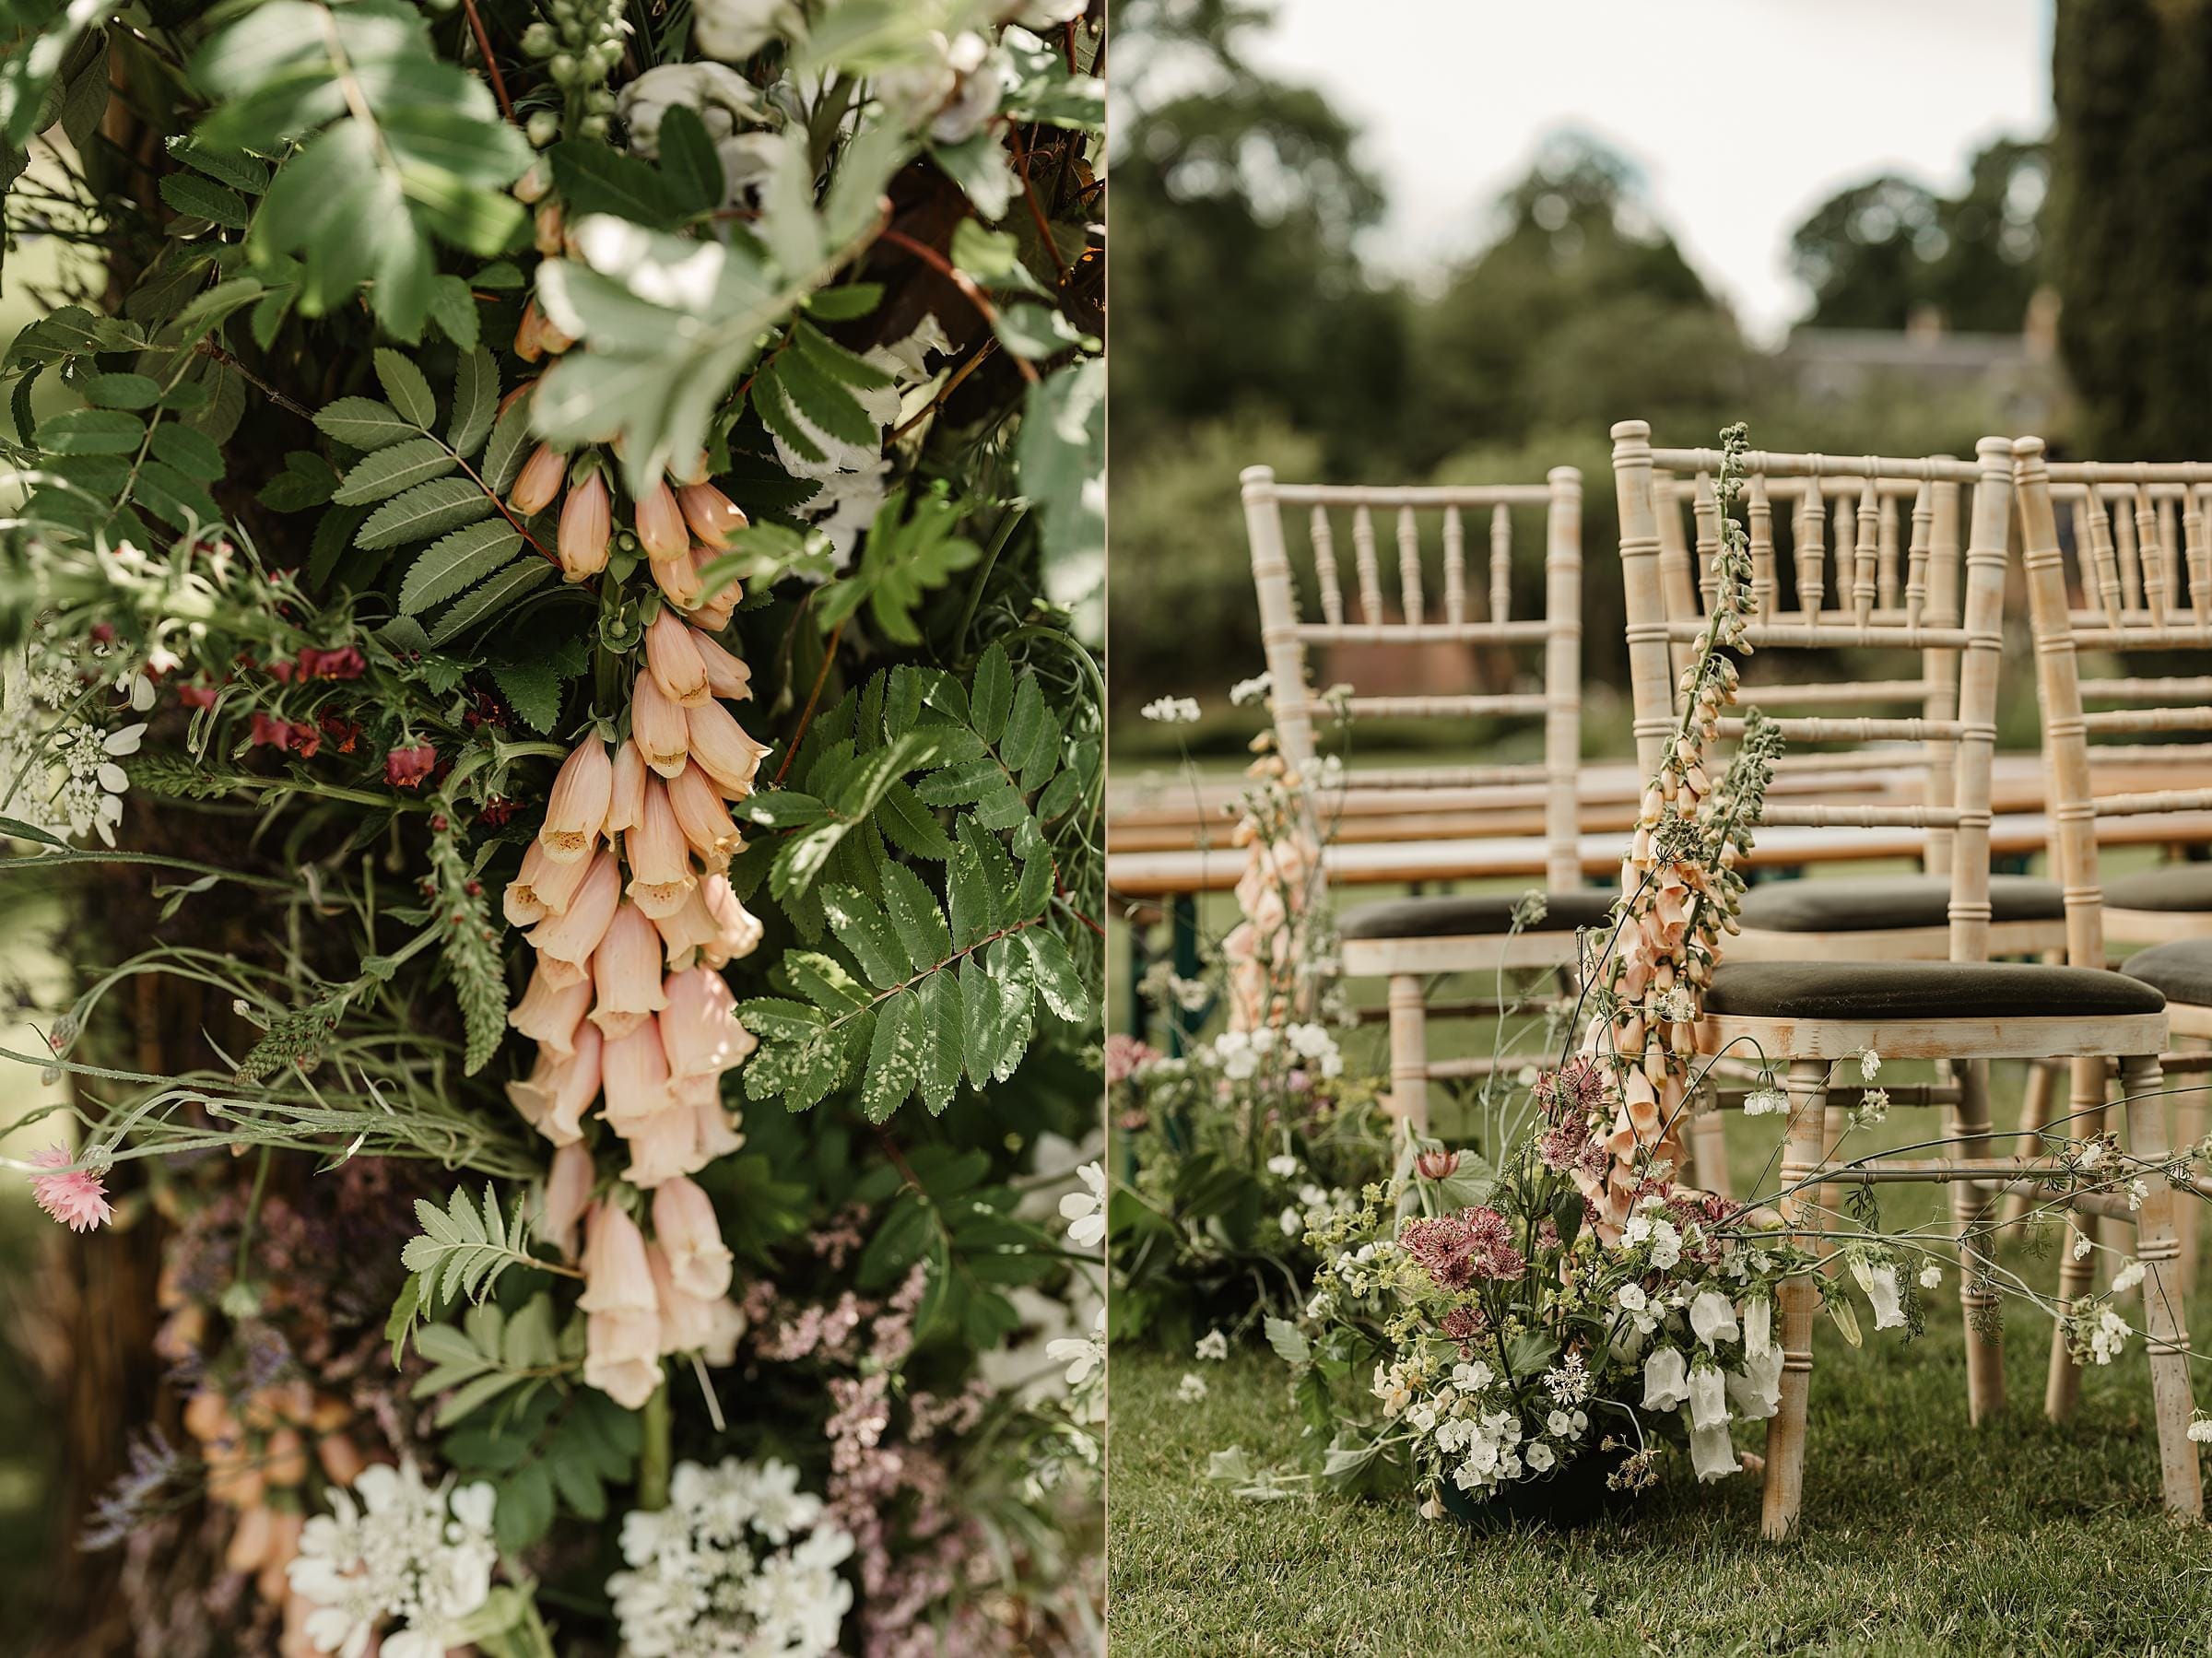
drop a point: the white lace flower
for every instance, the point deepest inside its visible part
(1247, 691)
(1870, 1065)
(1284, 1166)
(2127, 1277)
(1765, 1102)
(1192, 1388)
(1085, 1211)
(1172, 711)
(398, 1552)
(1213, 1345)
(2200, 1429)
(740, 1562)
(1931, 1277)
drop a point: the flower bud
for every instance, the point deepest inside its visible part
(690, 469)
(537, 486)
(627, 973)
(658, 726)
(634, 1073)
(568, 939)
(1437, 1165)
(568, 1194)
(704, 820)
(674, 660)
(722, 749)
(727, 676)
(530, 189)
(713, 518)
(700, 1031)
(661, 524)
(626, 800)
(688, 1232)
(576, 809)
(548, 1014)
(660, 858)
(547, 227)
(529, 333)
(586, 522)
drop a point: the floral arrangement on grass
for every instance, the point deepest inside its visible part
(558, 564)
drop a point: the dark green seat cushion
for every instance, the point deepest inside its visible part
(2181, 969)
(1474, 915)
(1913, 991)
(1851, 904)
(2184, 889)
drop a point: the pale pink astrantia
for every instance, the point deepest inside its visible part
(76, 1197)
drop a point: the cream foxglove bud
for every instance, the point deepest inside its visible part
(570, 938)
(568, 1194)
(700, 1031)
(576, 809)
(686, 931)
(718, 1135)
(737, 932)
(663, 1148)
(677, 579)
(661, 524)
(685, 1225)
(548, 1014)
(627, 973)
(616, 1277)
(712, 516)
(660, 858)
(658, 726)
(586, 522)
(626, 803)
(674, 660)
(634, 1073)
(713, 612)
(622, 1354)
(538, 484)
(690, 469)
(705, 821)
(530, 1095)
(727, 677)
(575, 1086)
(723, 751)
(687, 1321)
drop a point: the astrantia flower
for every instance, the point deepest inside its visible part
(416, 1555)
(741, 1562)
(76, 1197)
(1455, 1250)
(1085, 1211)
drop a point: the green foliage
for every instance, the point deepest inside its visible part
(461, 1252)
(557, 1449)
(906, 555)
(472, 947)
(492, 1356)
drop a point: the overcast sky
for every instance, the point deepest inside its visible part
(1745, 114)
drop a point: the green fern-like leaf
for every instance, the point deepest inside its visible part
(472, 949)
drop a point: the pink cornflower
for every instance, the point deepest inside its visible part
(77, 1198)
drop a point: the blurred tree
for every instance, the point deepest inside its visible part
(2132, 203)
(1878, 251)
(1580, 310)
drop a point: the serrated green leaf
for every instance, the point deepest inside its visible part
(405, 387)
(492, 597)
(476, 401)
(894, 1058)
(122, 392)
(941, 1039)
(385, 473)
(847, 368)
(197, 197)
(864, 930)
(828, 407)
(363, 423)
(455, 562)
(991, 693)
(454, 309)
(91, 431)
(690, 167)
(1059, 980)
(178, 501)
(190, 452)
(914, 914)
(510, 443)
(232, 167)
(980, 1019)
(843, 303)
(774, 406)
(425, 510)
(533, 690)
(306, 481)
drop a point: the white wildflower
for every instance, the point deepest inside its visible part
(1284, 1166)
(1213, 1345)
(395, 1551)
(1192, 1388)
(2127, 1277)
(1931, 1276)
(1171, 711)
(1766, 1102)
(2200, 1429)
(1870, 1065)
(1085, 1211)
(1247, 691)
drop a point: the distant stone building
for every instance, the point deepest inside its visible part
(2017, 375)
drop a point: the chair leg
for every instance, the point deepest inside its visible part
(1784, 1491)
(1408, 1052)
(1969, 1218)
(2035, 1111)
(2188, 1129)
(2061, 1386)
(2163, 1327)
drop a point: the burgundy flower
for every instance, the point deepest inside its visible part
(1462, 1325)
(1455, 1250)
(407, 767)
(1437, 1165)
(346, 663)
(197, 696)
(294, 736)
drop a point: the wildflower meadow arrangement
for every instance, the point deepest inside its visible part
(551, 697)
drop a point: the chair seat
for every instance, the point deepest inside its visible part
(1883, 904)
(2180, 889)
(1479, 914)
(2181, 971)
(1918, 992)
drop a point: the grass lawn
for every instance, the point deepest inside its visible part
(1923, 1536)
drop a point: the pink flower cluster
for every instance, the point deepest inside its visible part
(1455, 1250)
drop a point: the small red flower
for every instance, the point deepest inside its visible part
(1437, 1165)
(344, 662)
(197, 696)
(344, 733)
(497, 811)
(405, 768)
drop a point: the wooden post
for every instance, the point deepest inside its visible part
(1278, 619)
(1941, 668)
(1408, 1052)
(1982, 619)
(1678, 582)
(1970, 1216)
(1786, 1430)
(2164, 1329)
(1562, 680)
(1651, 671)
(1709, 1146)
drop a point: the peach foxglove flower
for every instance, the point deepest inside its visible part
(616, 1277)
(737, 932)
(660, 523)
(622, 1354)
(677, 579)
(686, 1229)
(634, 1073)
(539, 481)
(722, 749)
(660, 858)
(659, 726)
(706, 823)
(687, 1321)
(687, 930)
(565, 942)
(713, 613)
(700, 1031)
(530, 1095)
(576, 809)
(543, 888)
(674, 660)
(662, 1149)
(727, 677)
(586, 522)
(626, 801)
(718, 1135)
(76, 1197)
(627, 973)
(568, 1194)
(575, 1085)
(712, 516)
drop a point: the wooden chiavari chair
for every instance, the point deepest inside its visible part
(2181, 968)
(1410, 941)
(1966, 1010)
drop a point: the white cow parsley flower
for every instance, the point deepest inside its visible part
(741, 1562)
(1213, 1345)
(415, 1556)
(1171, 711)
(1192, 1388)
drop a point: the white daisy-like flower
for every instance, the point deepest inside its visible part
(1085, 1211)
(397, 1558)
